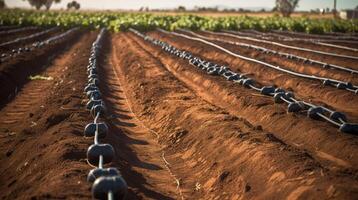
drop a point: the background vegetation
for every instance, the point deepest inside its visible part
(118, 21)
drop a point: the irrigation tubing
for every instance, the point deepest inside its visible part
(270, 36)
(37, 45)
(233, 34)
(108, 183)
(317, 36)
(326, 81)
(29, 37)
(279, 95)
(266, 50)
(18, 30)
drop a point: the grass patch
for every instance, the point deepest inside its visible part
(39, 77)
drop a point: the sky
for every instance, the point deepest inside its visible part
(136, 4)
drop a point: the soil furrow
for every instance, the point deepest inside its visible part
(272, 117)
(197, 134)
(293, 65)
(43, 154)
(28, 42)
(12, 36)
(15, 72)
(304, 89)
(139, 155)
(310, 45)
(315, 56)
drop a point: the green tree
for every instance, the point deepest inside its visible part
(2, 4)
(73, 4)
(42, 3)
(181, 9)
(286, 7)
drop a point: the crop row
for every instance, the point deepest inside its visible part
(28, 37)
(273, 52)
(278, 94)
(117, 21)
(107, 182)
(39, 44)
(332, 82)
(316, 41)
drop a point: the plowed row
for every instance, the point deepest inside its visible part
(178, 133)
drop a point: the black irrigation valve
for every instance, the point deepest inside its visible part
(349, 128)
(90, 87)
(100, 108)
(94, 81)
(92, 69)
(314, 111)
(193, 61)
(280, 90)
(102, 172)
(278, 97)
(96, 150)
(294, 107)
(242, 76)
(267, 90)
(338, 116)
(94, 94)
(214, 71)
(92, 65)
(234, 77)
(328, 82)
(307, 61)
(345, 85)
(223, 69)
(247, 82)
(90, 130)
(289, 95)
(103, 185)
(92, 75)
(91, 103)
(326, 66)
(227, 74)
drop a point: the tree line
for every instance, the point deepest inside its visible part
(285, 7)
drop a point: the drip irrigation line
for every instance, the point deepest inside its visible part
(278, 94)
(286, 55)
(36, 45)
(329, 120)
(18, 30)
(21, 39)
(107, 182)
(316, 36)
(270, 36)
(233, 34)
(312, 77)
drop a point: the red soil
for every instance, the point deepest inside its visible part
(177, 132)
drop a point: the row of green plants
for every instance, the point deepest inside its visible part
(117, 21)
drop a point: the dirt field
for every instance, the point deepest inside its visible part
(177, 131)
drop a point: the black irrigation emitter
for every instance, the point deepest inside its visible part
(107, 182)
(326, 81)
(37, 45)
(279, 95)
